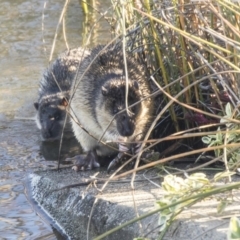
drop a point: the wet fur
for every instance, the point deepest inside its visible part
(100, 91)
(53, 97)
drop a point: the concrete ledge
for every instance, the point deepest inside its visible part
(71, 208)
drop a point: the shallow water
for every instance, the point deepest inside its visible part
(26, 39)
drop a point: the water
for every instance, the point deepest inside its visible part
(26, 41)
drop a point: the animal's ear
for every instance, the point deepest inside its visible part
(104, 91)
(135, 85)
(64, 101)
(36, 105)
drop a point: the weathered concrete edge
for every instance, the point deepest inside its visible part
(70, 208)
(32, 181)
(70, 211)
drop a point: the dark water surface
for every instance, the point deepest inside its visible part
(26, 39)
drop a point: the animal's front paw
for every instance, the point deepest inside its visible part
(85, 162)
(115, 162)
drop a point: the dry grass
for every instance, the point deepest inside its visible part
(191, 52)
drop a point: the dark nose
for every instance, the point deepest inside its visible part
(127, 125)
(47, 129)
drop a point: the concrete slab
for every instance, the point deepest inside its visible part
(83, 212)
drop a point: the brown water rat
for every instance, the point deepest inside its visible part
(54, 92)
(98, 106)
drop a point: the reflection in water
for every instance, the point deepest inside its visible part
(19, 156)
(25, 45)
(69, 148)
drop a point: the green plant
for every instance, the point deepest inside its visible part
(234, 229)
(182, 193)
(229, 134)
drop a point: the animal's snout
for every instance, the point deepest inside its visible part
(47, 129)
(125, 125)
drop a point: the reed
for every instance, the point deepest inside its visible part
(191, 50)
(190, 47)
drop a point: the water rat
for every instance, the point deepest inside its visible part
(54, 91)
(98, 105)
